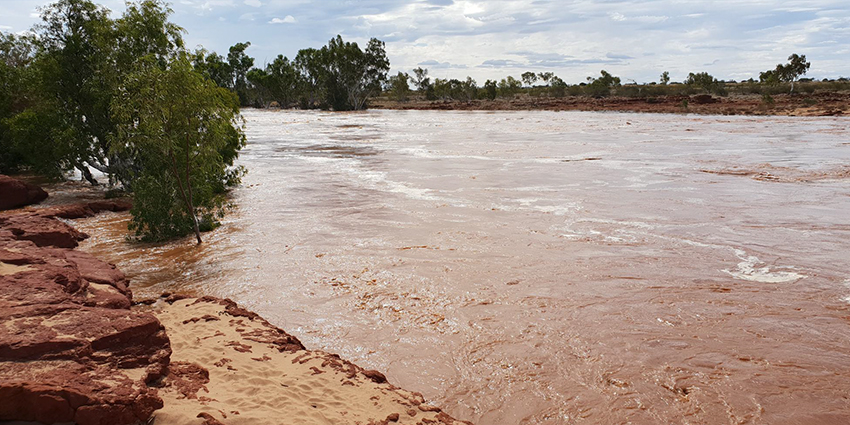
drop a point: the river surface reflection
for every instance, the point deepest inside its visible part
(544, 267)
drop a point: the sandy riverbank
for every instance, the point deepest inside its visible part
(231, 366)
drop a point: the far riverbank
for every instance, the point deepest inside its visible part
(815, 104)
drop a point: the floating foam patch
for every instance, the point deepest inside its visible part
(747, 270)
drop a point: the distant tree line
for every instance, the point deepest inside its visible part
(547, 84)
(339, 76)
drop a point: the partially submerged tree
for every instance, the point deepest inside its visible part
(284, 82)
(185, 130)
(82, 56)
(240, 63)
(309, 64)
(121, 95)
(76, 41)
(346, 75)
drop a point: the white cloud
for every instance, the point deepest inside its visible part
(5, 28)
(617, 16)
(632, 39)
(289, 19)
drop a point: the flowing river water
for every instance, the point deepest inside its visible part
(544, 267)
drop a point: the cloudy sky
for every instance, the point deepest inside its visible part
(635, 40)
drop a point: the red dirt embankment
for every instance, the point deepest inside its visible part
(817, 104)
(73, 348)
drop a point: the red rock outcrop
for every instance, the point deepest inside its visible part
(15, 193)
(87, 209)
(71, 350)
(42, 231)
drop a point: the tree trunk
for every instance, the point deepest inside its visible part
(197, 230)
(191, 197)
(187, 200)
(86, 173)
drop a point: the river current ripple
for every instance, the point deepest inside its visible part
(544, 267)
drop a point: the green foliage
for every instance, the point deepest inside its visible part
(77, 40)
(490, 89)
(341, 76)
(529, 78)
(770, 77)
(308, 62)
(184, 129)
(557, 87)
(509, 87)
(796, 67)
(143, 30)
(421, 80)
(767, 100)
(705, 81)
(399, 87)
(665, 78)
(15, 56)
(601, 87)
(240, 63)
(41, 143)
(546, 77)
(455, 89)
(63, 120)
(279, 82)
(284, 81)
(214, 67)
(121, 95)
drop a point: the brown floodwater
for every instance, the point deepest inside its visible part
(544, 267)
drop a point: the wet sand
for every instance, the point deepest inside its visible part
(542, 267)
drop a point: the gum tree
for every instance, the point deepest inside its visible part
(529, 78)
(794, 69)
(185, 130)
(399, 87)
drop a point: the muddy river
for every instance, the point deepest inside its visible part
(544, 267)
